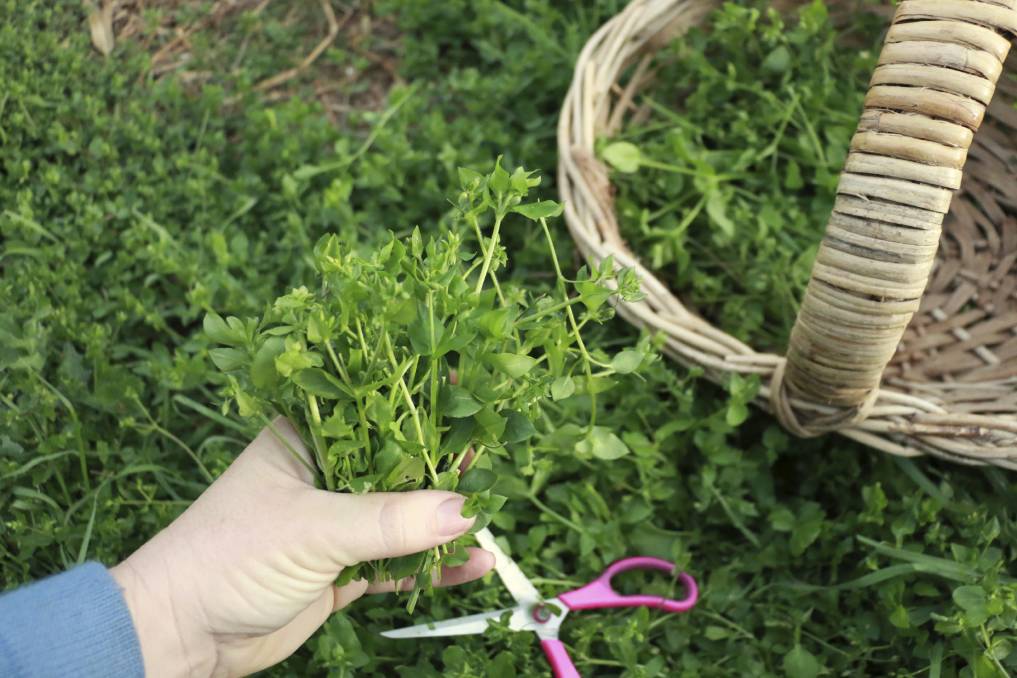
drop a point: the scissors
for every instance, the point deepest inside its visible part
(532, 613)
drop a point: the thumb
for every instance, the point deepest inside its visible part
(386, 524)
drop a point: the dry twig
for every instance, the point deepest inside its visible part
(333, 31)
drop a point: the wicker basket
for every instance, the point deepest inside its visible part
(906, 339)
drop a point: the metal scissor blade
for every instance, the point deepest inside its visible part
(463, 626)
(515, 581)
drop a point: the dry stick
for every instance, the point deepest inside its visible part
(212, 17)
(333, 31)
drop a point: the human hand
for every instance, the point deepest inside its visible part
(245, 575)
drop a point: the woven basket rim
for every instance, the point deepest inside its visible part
(903, 423)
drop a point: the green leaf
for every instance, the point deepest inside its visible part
(496, 323)
(218, 331)
(499, 181)
(246, 405)
(457, 402)
(807, 527)
(793, 177)
(318, 330)
(447, 480)
(737, 413)
(469, 179)
(408, 470)
(320, 383)
(459, 556)
(970, 597)
(294, 359)
(335, 426)
(426, 332)
(973, 600)
(712, 632)
(227, 359)
(416, 242)
(778, 61)
(491, 426)
(545, 209)
(602, 443)
(263, 371)
(513, 486)
(592, 294)
(562, 388)
(983, 667)
(477, 480)
(623, 156)
(800, 663)
(782, 519)
(517, 427)
(459, 435)
(405, 566)
(512, 364)
(493, 503)
(627, 361)
(900, 618)
(716, 207)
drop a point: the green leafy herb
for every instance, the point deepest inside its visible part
(364, 363)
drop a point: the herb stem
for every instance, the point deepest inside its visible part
(480, 241)
(339, 367)
(154, 425)
(319, 443)
(82, 460)
(365, 432)
(735, 520)
(489, 251)
(575, 327)
(412, 407)
(550, 309)
(433, 369)
(675, 169)
(719, 618)
(554, 514)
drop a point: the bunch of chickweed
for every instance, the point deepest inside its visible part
(401, 362)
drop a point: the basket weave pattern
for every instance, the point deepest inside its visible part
(906, 339)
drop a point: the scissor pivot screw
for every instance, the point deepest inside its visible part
(542, 613)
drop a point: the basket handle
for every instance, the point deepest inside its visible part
(936, 74)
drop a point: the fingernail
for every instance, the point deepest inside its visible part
(450, 517)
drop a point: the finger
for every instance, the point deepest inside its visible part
(355, 528)
(346, 594)
(479, 564)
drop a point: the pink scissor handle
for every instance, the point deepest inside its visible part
(599, 592)
(558, 657)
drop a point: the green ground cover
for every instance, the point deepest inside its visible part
(139, 193)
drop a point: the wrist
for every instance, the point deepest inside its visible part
(171, 645)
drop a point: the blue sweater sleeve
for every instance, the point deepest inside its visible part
(71, 624)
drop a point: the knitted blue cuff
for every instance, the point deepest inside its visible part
(71, 624)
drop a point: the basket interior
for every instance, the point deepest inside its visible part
(961, 347)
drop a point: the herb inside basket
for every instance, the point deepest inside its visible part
(728, 170)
